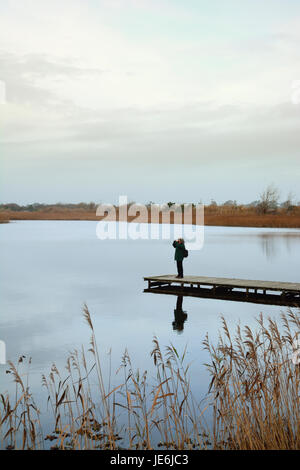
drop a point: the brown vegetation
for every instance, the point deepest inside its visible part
(267, 211)
(254, 396)
(241, 216)
(3, 218)
(256, 386)
(231, 215)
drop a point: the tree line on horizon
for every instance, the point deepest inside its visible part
(268, 202)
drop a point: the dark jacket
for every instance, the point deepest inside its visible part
(179, 251)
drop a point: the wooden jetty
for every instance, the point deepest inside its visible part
(242, 290)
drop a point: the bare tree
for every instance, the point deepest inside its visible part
(289, 203)
(268, 200)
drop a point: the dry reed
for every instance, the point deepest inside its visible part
(254, 396)
(255, 385)
(233, 216)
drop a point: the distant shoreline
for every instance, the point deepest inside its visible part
(234, 218)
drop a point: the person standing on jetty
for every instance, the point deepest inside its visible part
(180, 253)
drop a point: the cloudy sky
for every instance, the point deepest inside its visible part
(181, 100)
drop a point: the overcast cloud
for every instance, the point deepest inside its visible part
(160, 100)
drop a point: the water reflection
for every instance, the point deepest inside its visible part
(49, 268)
(179, 316)
(271, 243)
(268, 245)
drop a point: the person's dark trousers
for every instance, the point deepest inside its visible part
(179, 268)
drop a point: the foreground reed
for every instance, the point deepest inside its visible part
(253, 399)
(255, 383)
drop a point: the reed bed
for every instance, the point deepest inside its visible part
(230, 216)
(255, 383)
(253, 398)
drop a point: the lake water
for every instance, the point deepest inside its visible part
(50, 268)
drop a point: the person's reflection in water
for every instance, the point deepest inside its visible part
(179, 316)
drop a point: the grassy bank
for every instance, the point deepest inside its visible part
(237, 216)
(253, 394)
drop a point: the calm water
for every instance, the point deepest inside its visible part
(50, 268)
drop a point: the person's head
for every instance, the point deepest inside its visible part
(180, 240)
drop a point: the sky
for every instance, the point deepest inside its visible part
(159, 100)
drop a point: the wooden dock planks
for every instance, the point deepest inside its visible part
(258, 291)
(228, 282)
